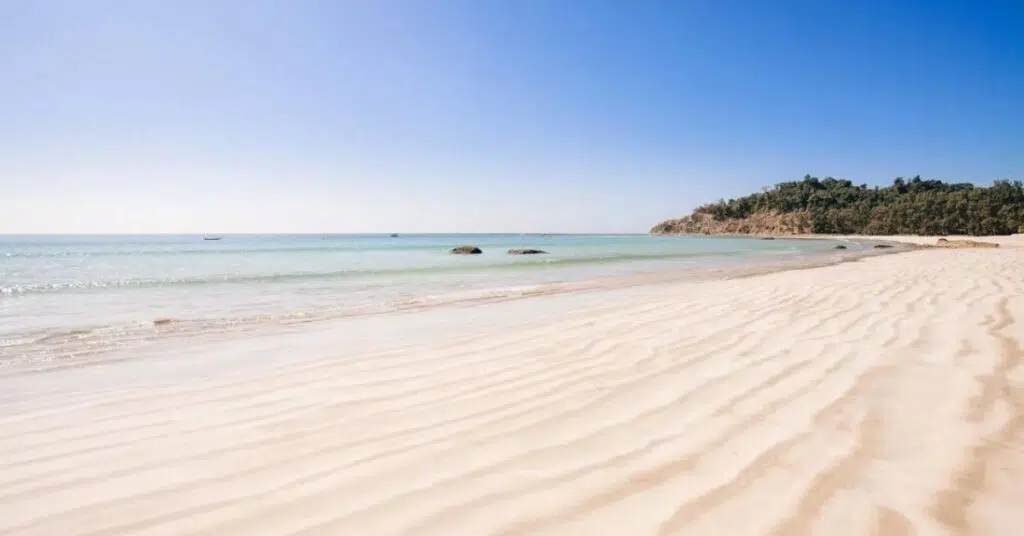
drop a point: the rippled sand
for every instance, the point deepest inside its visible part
(884, 396)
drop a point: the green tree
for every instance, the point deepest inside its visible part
(915, 206)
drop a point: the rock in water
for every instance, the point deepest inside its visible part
(526, 252)
(467, 250)
(840, 246)
(882, 246)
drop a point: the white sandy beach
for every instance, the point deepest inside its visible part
(884, 396)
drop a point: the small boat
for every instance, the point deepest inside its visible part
(394, 235)
(212, 237)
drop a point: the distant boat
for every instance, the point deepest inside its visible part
(212, 237)
(394, 235)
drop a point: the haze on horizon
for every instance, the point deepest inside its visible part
(484, 116)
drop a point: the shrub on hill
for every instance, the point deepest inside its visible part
(915, 206)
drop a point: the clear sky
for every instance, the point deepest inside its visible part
(481, 116)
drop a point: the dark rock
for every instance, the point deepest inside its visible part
(883, 246)
(840, 246)
(467, 250)
(767, 238)
(526, 252)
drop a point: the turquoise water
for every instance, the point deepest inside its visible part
(68, 297)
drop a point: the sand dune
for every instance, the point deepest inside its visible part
(884, 396)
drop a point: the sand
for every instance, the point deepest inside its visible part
(1014, 241)
(884, 396)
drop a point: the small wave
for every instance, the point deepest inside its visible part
(320, 247)
(129, 283)
(68, 345)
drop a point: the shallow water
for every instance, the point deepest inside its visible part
(68, 298)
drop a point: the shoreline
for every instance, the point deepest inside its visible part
(170, 330)
(176, 331)
(1011, 240)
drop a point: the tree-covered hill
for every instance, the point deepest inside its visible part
(835, 206)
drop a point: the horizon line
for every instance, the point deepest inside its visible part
(385, 234)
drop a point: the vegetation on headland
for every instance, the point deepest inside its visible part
(836, 206)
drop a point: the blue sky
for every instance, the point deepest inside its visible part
(481, 116)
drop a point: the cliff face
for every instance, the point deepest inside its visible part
(758, 223)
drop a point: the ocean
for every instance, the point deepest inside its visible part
(67, 300)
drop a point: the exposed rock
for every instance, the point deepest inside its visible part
(840, 246)
(526, 252)
(883, 246)
(467, 250)
(767, 238)
(760, 223)
(161, 321)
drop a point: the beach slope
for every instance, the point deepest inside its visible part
(883, 396)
